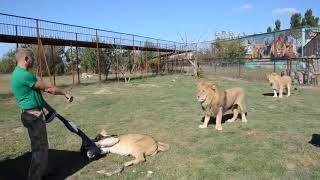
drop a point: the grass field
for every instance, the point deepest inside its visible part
(272, 145)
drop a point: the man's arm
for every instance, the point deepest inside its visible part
(40, 85)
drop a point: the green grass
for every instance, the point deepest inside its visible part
(272, 145)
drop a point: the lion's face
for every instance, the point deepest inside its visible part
(205, 89)
(202, 94)
(272, 78)
(103, 135)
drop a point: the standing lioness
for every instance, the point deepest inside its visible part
(216, 102)
(278, 83)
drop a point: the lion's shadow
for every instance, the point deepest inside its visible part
(224, 118)
(61, 165)
(315, 140)
(271, 94)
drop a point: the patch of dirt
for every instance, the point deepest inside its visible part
(310, 161)
(307, 87)
(233, 79)
(148, 86)
(229, 157)
(272, 107)
(103, 91)
(85, 91)
(254, 132)
(17, 130)
(291, 166)
(111, 170)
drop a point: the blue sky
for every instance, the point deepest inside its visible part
(164, 19)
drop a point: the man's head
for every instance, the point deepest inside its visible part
(25, 57)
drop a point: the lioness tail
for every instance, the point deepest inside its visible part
(163, 146)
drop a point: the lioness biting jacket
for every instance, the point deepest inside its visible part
(137, 145)
(215, 102)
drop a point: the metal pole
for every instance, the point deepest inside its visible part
(38, 53)
(133, 65)
(239, 68)
(141, 60)
(158, 56)
(303, 41)
(274, 44)
(166, 68)
(72, 65)
(175, 58)
(98, 56)
(54, 69)
(78, 69)
(16, 28)
(117, 58)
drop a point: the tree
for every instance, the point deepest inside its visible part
(229, 50)
(108, 57)
(309, 19)
(54, 56)
(295, 20)
(149, 57)
(269, 30)
(277, 24)
(88, 59)
(8, 62)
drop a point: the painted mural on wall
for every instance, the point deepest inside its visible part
(284, 44)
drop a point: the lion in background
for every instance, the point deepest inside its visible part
(215, 102)
(278, 83)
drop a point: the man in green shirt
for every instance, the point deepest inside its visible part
(27, 91)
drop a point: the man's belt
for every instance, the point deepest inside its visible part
(32, 110)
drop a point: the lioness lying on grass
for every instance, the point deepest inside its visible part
(137, 145)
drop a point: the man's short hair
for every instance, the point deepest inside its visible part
(21, 52)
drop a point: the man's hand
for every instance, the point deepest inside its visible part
(53, 90)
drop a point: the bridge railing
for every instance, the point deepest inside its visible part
(30, 27)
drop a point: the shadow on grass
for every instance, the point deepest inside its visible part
(61, 165)
(224, 118)
(271, 94)
(315, 140)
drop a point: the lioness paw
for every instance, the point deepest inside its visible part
(218, 128)
(202, 126)
(129, 163)
(230, 120)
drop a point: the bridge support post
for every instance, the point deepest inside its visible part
(98, 56)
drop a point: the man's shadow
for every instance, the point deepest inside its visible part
(61, 165)
(224, 118)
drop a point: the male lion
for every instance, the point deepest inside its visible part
(278, 83)
(137, 145)
(215, 102)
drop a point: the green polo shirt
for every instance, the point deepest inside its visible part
(22, 82)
